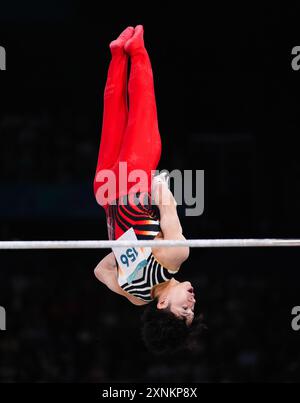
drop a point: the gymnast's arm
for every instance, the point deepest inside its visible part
(106, 272)
(171, 228)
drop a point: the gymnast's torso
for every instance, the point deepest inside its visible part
(135, 217)
(136, 211)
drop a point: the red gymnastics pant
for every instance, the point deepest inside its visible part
(130, 136)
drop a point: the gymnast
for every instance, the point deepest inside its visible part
(145, 276)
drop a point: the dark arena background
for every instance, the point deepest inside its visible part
(228, 103)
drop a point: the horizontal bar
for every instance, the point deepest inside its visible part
(194, 243)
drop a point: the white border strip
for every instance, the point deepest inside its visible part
(194, 243)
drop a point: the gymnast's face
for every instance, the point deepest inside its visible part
(180, 298)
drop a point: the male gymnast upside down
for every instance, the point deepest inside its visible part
(145, 276)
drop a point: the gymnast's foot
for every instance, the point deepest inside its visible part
(117, 45)
(136, 42)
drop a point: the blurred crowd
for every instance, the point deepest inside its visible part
(64, 326)
(47, 147)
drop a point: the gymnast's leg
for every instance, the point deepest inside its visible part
(115, 114)
(141, 147)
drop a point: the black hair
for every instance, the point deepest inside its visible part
(164, 333)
